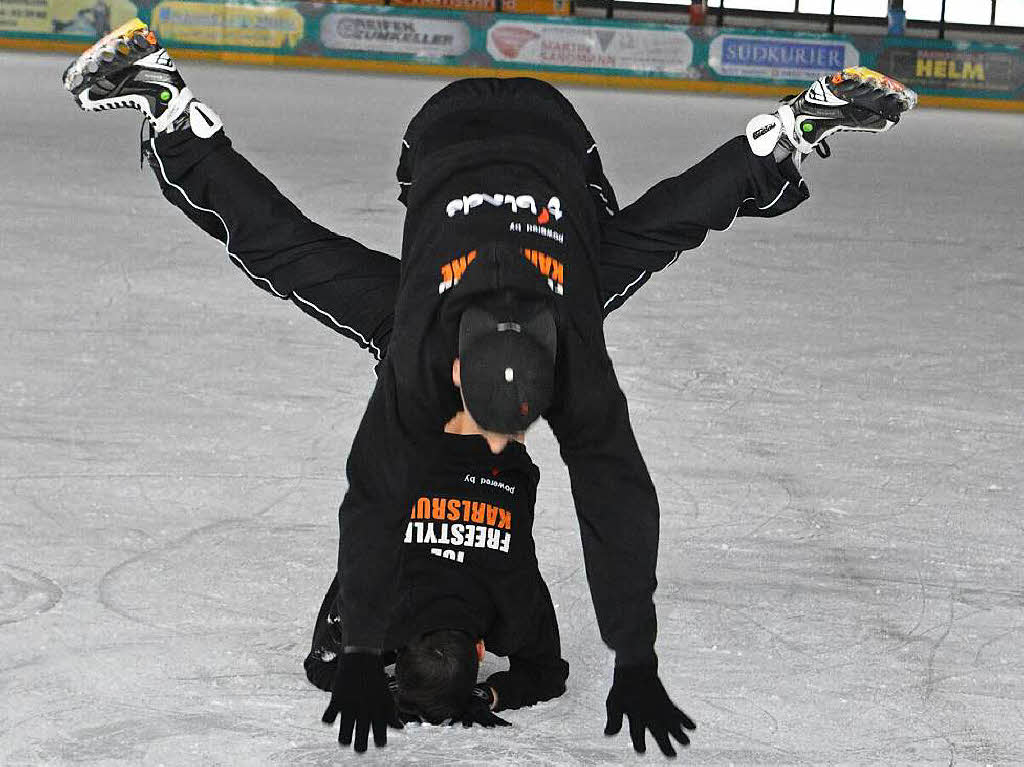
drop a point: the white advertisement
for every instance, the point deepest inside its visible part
(666, 51)
(779, 58)
(394, 34)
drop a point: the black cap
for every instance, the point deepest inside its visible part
(507, 359)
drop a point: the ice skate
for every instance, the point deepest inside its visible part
(129, 68)
(855, 99)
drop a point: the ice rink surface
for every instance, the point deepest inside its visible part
(831, 404)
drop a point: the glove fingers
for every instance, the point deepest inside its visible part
(614, 723)
(380, 731)
(685, 721)
(330, 714)
(362, 733)
(677, 732)
(663, 742)
(478, 717)
(348, 721)
(638, 734)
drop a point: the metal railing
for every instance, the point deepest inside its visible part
(720, 13)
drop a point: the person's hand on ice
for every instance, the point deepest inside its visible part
(479, 709)
(360, 695)
(638, 694)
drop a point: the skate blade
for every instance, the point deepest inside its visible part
(884, 85)
(114, 48)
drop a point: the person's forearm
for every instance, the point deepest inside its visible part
(617, 509)
(372, 519)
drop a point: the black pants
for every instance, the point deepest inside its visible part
(351, 288)
(489, 107)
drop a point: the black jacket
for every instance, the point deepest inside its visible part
(529, 147)
(468, 562)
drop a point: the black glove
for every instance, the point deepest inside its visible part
(479, 709)
(360, 694)
(638, 693)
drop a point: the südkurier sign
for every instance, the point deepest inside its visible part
(764, 57)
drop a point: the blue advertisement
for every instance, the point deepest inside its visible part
(779, 58)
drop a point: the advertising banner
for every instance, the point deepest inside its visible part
(431, 37)
(91, 18)
(228, 24)
(540, 7)
(954, 69)
(779, 58)
(456, 38)
(584, 46)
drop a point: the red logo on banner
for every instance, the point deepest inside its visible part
(510, 40)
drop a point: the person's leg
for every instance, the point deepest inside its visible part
(756, 175)
(676, 214)
(338, 281)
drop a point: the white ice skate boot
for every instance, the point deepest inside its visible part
(129, 68)
(855, 99)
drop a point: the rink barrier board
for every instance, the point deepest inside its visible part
(685, 59)
(441, 70)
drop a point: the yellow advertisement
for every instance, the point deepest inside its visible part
(91, 18)
(248, 26)
(539, 7)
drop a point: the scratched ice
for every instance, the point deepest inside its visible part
(830, 403)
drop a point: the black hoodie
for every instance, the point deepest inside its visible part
(503, 203)
(469, 563)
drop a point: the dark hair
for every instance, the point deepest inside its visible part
(436, 673)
